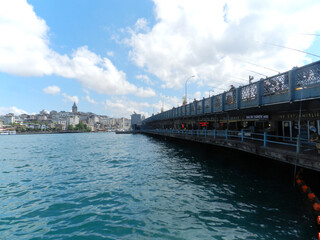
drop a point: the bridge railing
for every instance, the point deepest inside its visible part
(265, 139)
(294, 85)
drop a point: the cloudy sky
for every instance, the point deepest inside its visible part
(114, 57)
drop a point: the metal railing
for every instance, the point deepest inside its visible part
(265, 139)
(295, 85)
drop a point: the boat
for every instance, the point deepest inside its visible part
(8, 132)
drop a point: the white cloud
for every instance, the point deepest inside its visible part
(90, 100)
(16, 111)
(86, 91)
(68, 98)
(53, 90)
(25, 51)
(141, 24)
(124, 108)
(110, 53)
(145, 79)
(211, 39)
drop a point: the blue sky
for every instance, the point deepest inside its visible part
(114, 57)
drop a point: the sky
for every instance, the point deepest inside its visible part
(117, 57)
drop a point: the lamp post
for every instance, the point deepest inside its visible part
(186, 99)
(210, 91)
(163, 102)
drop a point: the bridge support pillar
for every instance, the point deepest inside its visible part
(264, 139)
(242, 135)
(298, 144)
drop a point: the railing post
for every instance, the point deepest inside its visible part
(242, 135)
(298, 144)
(214, 133)
(264, 139)
(292, 84)
(259, 92)
(226, 133)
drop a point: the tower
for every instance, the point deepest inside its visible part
(74, 108)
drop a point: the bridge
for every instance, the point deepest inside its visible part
(270, 117)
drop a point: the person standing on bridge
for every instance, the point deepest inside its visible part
(315, 137)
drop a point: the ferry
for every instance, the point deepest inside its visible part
(8, 132)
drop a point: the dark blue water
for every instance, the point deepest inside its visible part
(108, 186)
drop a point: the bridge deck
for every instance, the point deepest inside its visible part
(307, 158)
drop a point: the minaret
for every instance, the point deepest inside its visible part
(74, 108)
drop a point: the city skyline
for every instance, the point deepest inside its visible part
(54, 121)
(115, 58)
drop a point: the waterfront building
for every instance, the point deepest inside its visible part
(63, 124)
(136, 121)
(44, 112)
(125, 123)
(93, 119)
(73, 120)
(24, 116)
(9, 119)
(41, 118)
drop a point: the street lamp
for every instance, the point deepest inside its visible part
(163, 102)
(186, 99)
(210, 91)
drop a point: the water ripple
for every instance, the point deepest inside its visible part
(107, 186)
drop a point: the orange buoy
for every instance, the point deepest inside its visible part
(311, 196)
(304, 188)
(298, 182)
(316, 207)
(319, 236)
(318, 220)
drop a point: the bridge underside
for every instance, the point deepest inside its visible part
(284, 154)
(278, 119)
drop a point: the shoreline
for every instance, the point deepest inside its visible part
(59, 132)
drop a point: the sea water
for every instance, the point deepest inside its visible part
(108, 186)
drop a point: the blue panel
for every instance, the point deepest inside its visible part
(230, 102)
(199, 107)
(249, 103)
(217, 103)
(276, 98)
(193, 108)
(306, 93)
(188, 110)
(207, 105)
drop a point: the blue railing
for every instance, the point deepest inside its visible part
(295, 85)
(264, 139)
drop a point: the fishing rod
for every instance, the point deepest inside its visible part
(295, 50)
(256, 72)
(270, 69)
(311, 34)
